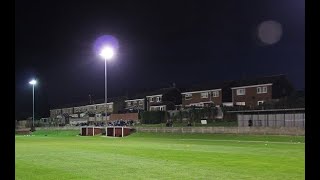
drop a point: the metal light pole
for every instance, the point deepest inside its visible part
(33, 82)
(105, 87)
(107, 53)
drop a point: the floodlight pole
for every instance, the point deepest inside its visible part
(33, 106)
(105, 86)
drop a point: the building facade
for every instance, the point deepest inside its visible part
(202, 98)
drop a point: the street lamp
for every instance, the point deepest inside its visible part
(33, 82)
(107, 53)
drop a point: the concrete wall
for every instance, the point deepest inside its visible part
(225, 130)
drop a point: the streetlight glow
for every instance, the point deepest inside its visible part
(33, 82)
(107, 53)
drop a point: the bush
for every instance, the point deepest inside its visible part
(154, 117)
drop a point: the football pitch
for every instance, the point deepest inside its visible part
(64, 155)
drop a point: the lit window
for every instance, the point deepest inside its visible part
(204, 95)
(241, 91)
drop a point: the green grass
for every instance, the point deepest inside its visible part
(64, 155)
(61, 133)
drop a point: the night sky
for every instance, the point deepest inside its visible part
(181, 42)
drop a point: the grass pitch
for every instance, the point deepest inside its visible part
(64, 155)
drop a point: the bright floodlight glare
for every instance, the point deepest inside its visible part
(107, 53)
(33, 82)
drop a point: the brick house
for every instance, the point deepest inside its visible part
(257, 91)
(114, 105)
(201, 97)
(55, 112)
(135, 103)
(163, 99)
(209, 93)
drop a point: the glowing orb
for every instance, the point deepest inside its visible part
(269, 32)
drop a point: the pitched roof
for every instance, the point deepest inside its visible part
(161, 91)
(209, 86)
(111, 99)
(261, 80)
(152, 92)
(97, 101)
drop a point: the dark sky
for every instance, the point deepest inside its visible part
(160, 42)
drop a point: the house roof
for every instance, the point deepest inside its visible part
(261, 80)
(209, 86)
(97, 101)
(152, 92)
(138, 96)
(161, 91)
(111, 99)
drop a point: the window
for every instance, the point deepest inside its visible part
(204, 95)
(134, 102)
(215, 93)
(158, 99)
(151, 99)
(240, 103)
(260, 102)
(262, 89)
(188, 96)
(259, 90)
(140, 102)
(241, 92)
(157, 108)
(110, 106)
(128, 103)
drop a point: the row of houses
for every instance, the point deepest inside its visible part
(250, 93)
